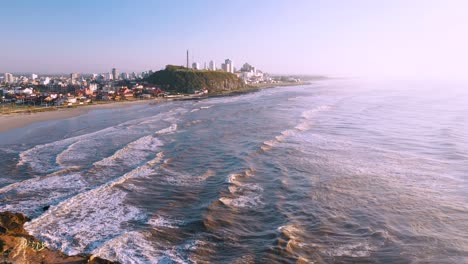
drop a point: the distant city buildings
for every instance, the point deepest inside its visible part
(115, 74)
(9, 78)
(124, 76)
(212, 66)
(46, 81)
(196, 66)
(74, 77)
(227, 66)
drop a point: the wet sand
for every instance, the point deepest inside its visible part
(13, 121)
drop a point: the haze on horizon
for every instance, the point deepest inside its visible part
(387, 38)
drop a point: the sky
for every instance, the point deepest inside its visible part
(425, 39)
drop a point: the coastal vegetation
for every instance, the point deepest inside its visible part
(178, 79)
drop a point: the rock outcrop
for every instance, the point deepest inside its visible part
(182, 80)
(17, 246)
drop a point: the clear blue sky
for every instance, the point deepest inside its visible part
(417, 38)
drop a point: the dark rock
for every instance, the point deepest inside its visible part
(45, 208)
(98, 260)
(13, 222)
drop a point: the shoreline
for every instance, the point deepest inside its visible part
(13, 121)
(18, 120)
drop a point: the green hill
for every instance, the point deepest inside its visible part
(182, 80)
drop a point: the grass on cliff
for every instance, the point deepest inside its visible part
(183, 80)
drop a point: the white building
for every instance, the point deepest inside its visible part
(212, 66)
(228, 66)
(93, 87)
(26, 91)
(34, 76)
(74, 76)
(9, 78)
(46, 81)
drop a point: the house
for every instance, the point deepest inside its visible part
(27, 91)
(124, 92)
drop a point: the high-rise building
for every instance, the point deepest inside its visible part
(195, 66)
(9, 78)
(212, 66)
(228, 66)
(115, 74)
(74, 76)
(187, 60)
(124, 76)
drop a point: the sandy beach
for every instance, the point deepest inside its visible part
(13, 121)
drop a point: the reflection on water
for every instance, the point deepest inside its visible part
(336, 171)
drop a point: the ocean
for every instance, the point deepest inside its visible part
(337, 171)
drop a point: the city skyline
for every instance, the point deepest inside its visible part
(423, 39)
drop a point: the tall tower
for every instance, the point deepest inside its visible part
(187, 60)
(115, 74)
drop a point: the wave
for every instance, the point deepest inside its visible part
(132, 153)
(31, 196)
(167, 130)
(173, 177)
(137, 247)
(159, 221)
(80, 148)
(39, 156)
(83, 222)
(302, 126)
(241, 194)
(39, 192)
(309, 114)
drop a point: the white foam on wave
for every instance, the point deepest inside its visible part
(243, 195)
(39, 156)
(309, 114)
(355, 250)
(159, 221)
(177, 178)
(268, 145)
(36, 193)
(133, 153)
(137, 248)
(167, 130)
(83, 222)
(201, 108)
(302, 126)
(30, 196)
